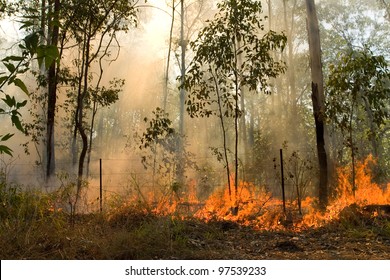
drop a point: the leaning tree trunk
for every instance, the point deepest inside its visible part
(318, 99)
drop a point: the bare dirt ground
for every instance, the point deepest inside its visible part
(323, 243)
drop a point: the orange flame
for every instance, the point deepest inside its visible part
(258, 208)
(367, 192)
(254, 206)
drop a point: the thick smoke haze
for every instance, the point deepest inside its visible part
(282, 120)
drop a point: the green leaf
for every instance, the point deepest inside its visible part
(10, 66)
(13, 58)
(52, 54)
(3, 78)
(28, 23)
(31, 42)
(10, 101)
(40, 55)
(16, 121)
(48, 54)
(19, 83)
(52, 51)
(6, 137)
(21, 104)
(5, 150)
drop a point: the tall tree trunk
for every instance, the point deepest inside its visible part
(318, 99)
(79, 125)
(44, 90)
(78, 109)
(94, 112)
(183, 45)
(52, 94)
(225, 148)
(166, 78)
(289, 27)
(286, 29)
(236, 117)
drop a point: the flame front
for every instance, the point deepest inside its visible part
(256, 207)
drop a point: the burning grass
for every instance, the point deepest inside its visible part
(254, 206)
(367, 193)
(248, 224)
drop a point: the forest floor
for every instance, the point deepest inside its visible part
(321, 243)
(140, 235)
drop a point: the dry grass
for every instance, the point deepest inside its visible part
(140, 235)
(30, 228)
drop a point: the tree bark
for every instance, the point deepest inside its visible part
(318, 100)
(225, 148)
(183, 45)
(52, 94)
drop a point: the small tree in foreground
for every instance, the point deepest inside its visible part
(231, 52)
(159, 144)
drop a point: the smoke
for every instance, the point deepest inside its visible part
(141, 63)
(272, 122)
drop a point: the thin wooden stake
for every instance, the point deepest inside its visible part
(101, 185)
(282, 175)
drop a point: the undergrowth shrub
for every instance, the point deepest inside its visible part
(29, 220)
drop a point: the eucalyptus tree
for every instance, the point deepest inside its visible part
(93, 26)
(101, 97)
(159, 145)
(359, 82)
(37, 20)
(318, 99)
(52, 80)
(191, 14)
(35, 16)
(289, 26)
(216, 75)
(87, 29)
(364, 26)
